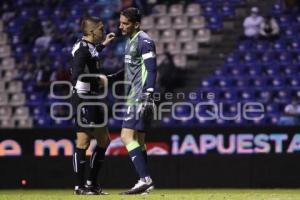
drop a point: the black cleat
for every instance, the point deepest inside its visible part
(84, 191)
(142, 187)
(95, 188)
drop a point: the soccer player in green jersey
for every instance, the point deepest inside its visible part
(140, 71)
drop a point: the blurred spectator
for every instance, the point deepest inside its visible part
(61, 74)
(25, 67)
(60, 111)
(50, 33)
(111, 63)
(25, 60)
(43, 59)
(43, 79)
(6, 10)
(291, 5)
(143, 6)
(166, 71)
(291, 113)
(126, 4)
(112, 26)
(44, 40)
(269, 28)
(31, 30)
(29, 73)
(252, 23)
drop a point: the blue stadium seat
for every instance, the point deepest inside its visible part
(280, 46)
(62, 123)
(36, 99)
(183, 110)
(284, 21)
(261, 46)
(288, 70)
(293, 81)
(215, 23)
(55, 49)
(228, 95)
(272, 108)
(185, 122)
(247, 95)
(277, 9)
(232, 60)
(297, 21)
(258, 81)
(76, 11)
(297, 59)
(253, 71)
(44, 13)
(107, 13)
(240, 82)
(285, 58)
(245, 45)
(224, 82)
(219, 72)
(295, 45)
(249, 58)
(238, 70)
(44, 122)
(168, 122)
(290, 33)
(263, 94)
(227, 10)
(209, 10)
(275, 81)
(271, 70)
(14, 26)
(268, 58)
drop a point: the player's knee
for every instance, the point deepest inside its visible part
(141, 142)
(83, 143)
(126, 139)
(107, 141)
(104, 142)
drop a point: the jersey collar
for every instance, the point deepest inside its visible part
(88, 42)
(135, 36)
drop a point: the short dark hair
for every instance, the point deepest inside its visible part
(132, 14)
(86, 23)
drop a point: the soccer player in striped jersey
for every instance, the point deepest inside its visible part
(85, 54)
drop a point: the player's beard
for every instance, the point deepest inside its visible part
(98, 40)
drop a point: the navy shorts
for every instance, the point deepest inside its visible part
(133, 120)
(89, 115)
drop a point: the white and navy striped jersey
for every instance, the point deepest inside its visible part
(86, 60)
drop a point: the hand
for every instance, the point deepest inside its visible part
(103, 81)
(109, 37)
(115, 75)
(147, 107)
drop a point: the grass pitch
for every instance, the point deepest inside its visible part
(159, 194)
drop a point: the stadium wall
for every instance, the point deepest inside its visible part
(244, 157)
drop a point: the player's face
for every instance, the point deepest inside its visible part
(127, 27)
(98, 33)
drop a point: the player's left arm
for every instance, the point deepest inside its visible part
(148, 53)
(102, 79)
(147, 50)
